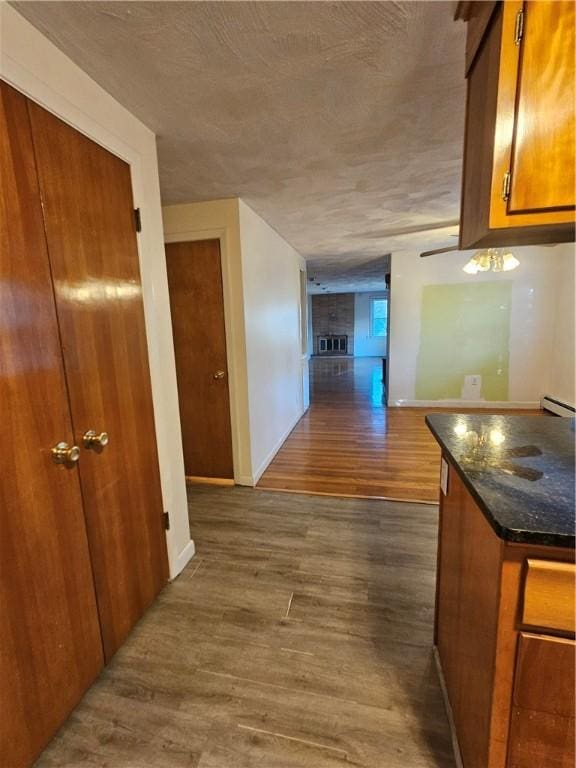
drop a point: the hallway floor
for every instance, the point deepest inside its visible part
(300, 636)
(350, 443)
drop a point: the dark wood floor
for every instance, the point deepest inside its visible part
(299, 636)
(350, 444)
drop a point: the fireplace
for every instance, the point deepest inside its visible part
(333, 345)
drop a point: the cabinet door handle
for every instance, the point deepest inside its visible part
(93, 439)
(62, 453)
(506, 183)
(219, 374)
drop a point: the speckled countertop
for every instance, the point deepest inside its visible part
(519, 469)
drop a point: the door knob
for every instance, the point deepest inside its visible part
(92, 439)
(62, 453)
(219, 374)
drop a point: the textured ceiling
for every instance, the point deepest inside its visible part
(340, 123)
(360, 277)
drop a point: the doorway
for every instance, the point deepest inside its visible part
(197, 307)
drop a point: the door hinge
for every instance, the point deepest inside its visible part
(519, 27)
(506, 182)
(166, 516)
(138, 219)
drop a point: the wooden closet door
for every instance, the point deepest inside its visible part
(197, 310)
(50, 645)
(89, 219)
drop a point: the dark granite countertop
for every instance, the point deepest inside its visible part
(519, 469)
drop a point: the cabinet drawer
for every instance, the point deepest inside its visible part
(549, 595)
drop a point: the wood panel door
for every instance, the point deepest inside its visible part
(197, 307)
(544, 146)
(50, 645)
(89, 220)
(519, 148)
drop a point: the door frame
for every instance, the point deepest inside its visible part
(235, 344)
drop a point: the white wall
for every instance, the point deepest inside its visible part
(560, 383)
(535, 300)
(219, 219)
(364, 344)
(268, 372)
(34, 66)
(275, 364)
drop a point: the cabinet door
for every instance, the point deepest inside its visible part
(520, 117)
(534, 137)
(542, 723)
(50, 646)
(89, 219)
(543, 150)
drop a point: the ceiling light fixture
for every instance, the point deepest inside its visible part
(494, 259)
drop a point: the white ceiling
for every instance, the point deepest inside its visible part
(340, 123)
(361, 277)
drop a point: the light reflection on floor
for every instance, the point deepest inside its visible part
(357, 378)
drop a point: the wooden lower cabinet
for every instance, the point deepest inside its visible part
(542, 724)
(510, 687)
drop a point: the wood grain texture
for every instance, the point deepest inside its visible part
(544, 149)
(89, 221)
(467, 617)
(480, 127)
(491, 122)
(542, 726)
(480, 586)
(549, 595)
(50, 646)
(510, 75)
(299, 637)
(197, 309)
(349, 444)
(509, 624)
(477, 16)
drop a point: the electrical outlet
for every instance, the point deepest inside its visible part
(471, 388)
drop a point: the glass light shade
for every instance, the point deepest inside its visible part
(471, 267)
(509, 261)
(484, 260)
(497, 262)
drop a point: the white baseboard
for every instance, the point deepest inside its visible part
(464, 404)
(183, 559)
(245, 480)
(559, 407)
(264, 465)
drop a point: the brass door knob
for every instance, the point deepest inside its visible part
(219, 374)
(93, 439)
(62, 453)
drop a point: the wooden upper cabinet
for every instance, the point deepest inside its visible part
(519, 180)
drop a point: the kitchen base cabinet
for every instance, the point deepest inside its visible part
(510, 686)
(542, 724)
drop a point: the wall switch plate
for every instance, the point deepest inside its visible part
(472, 387)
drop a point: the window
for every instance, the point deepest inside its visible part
(378, 317)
